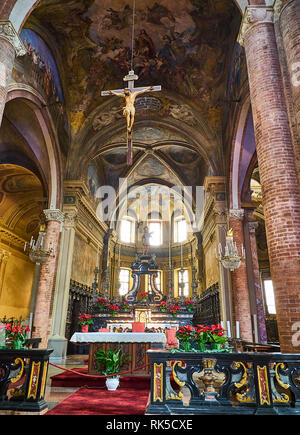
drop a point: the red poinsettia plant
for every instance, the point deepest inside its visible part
(102, 304)
(114, 309)
(144, 296)
(173, 309)
(190, 305)
(16, 332)
(202, 334)
(185, 333)
(125, 306)
(163, 306)
(217, 334)
(85, 319)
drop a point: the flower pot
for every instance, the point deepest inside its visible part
(84, 328)
(201, 347)
(17, 344)
(112, 383)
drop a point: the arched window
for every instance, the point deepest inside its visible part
(183, 277)
(124, 281)
(155, 228)
(180, 229)
(127, 228)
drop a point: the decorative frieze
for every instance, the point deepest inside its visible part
(7, 32)
(254, 15)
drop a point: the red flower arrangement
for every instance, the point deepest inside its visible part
(16, 332)
(190, 305)
(85, 319)
(114, 309)
(125, 306)
(185, 334)
(217, 334)
(163, 306)
(102, 304)
(144, 296)
(173, 310)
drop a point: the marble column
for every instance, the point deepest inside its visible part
(239, 279)
(44, 300)
(57, 339)
(10, 47)
(280, 189)
(261, 321)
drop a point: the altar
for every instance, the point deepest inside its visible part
(134, 344)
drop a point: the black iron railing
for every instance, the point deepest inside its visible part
(23, 375)
(224, 383)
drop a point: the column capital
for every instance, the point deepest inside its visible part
(54, 215)
(237, 214)
(254, 15)
(7, 32)
(70, 218)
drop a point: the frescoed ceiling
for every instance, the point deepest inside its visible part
(184, 46)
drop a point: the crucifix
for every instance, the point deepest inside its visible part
(129, 94)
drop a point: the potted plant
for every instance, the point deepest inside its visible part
(125, 306)
(201, 337)
(185, 334)
(109, 363)
(114, 309)
(84, 321)
(163, 306)
(102, 304)
(217, 337)
(144, 296)
(173, 309)
(16, 334)
(190, 305)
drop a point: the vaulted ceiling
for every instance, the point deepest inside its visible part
(186, 47)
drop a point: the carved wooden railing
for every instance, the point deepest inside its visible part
(23, 375)
(224, 383)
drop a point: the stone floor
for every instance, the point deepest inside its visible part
(55, 395)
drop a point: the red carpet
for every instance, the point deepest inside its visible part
(130, 398)
(89, 401)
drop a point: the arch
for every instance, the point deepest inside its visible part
(36, 104)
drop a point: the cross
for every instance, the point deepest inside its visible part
(129, 94)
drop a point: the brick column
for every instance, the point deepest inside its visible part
(239, 280)
(41, 324)
(259, 301)
(10, 46)
(281, 196)
(289, 20)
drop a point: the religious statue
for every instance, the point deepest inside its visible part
(146, 240)
(129, 109)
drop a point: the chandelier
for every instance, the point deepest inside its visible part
(38, 252)
(230, 258)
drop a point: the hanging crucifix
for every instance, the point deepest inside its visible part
(129, 94)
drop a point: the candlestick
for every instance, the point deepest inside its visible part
(97, 261)
(119, 259)
(228, 329)
(181, 259)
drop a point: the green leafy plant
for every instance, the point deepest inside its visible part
(110, 361)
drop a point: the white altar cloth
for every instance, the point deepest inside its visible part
(119, 337)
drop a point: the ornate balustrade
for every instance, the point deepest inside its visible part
(23, 375)
(224, 383)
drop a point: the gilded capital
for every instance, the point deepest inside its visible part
(254, 15)
(70, 219)
(7, 32)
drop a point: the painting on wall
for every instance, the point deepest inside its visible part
(93, 180)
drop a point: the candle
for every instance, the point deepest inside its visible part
(25, 246)
(237, 326)
(228, 329)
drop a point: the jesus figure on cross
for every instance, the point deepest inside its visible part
(129, 94)
(129, 109)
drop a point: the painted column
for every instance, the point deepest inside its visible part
(281, 196)
(57, 339)
(42, 316)
(10, 47)
(289, 20)
(239, 279)
(261, 322)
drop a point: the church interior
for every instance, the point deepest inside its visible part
(189, 216)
